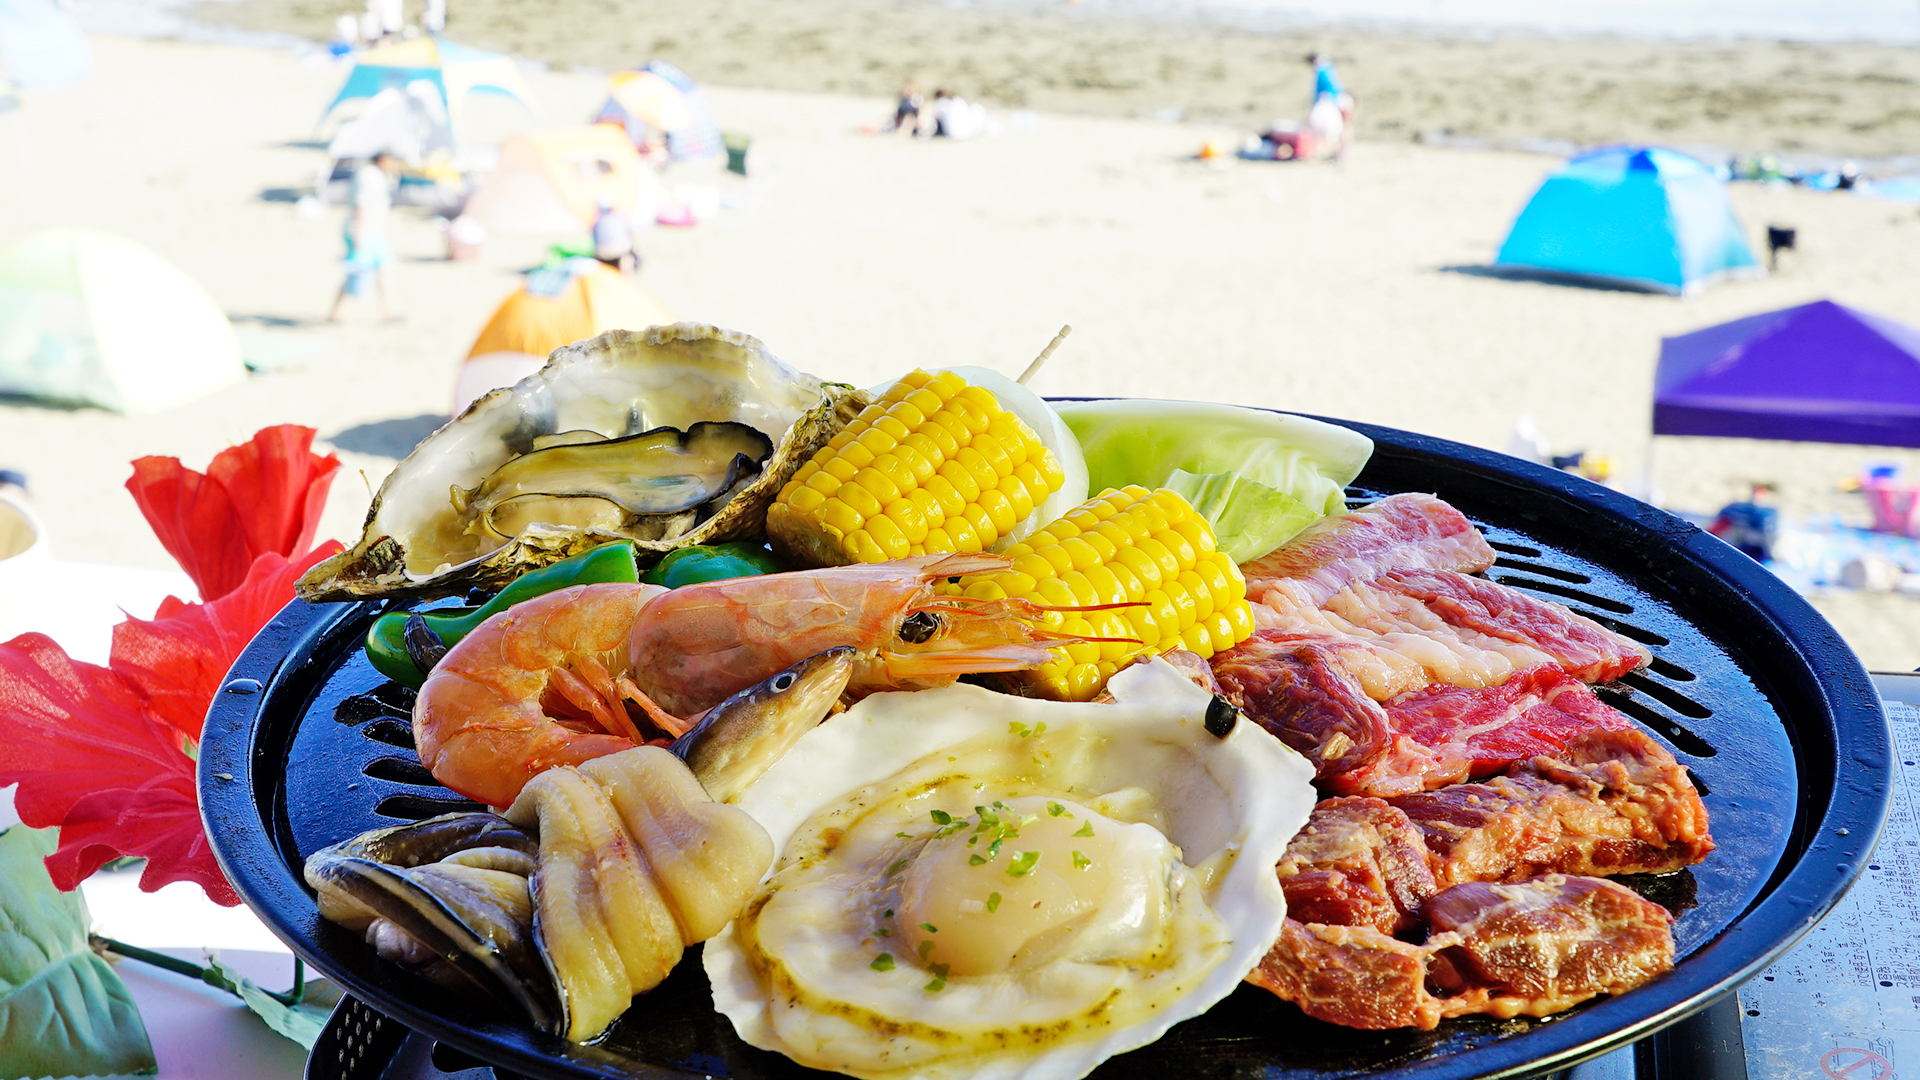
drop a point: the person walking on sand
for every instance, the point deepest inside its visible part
(1331, 114)
(369, 256)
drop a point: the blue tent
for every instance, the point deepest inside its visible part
(451, 69)
(1640, 216)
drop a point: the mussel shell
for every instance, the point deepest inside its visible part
(420, 878)
(619, 384)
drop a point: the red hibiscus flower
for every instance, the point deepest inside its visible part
(107, 753)
(262, 496)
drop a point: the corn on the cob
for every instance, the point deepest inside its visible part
(934, 466)
(1124, 546)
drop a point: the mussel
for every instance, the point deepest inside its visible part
(448, 897)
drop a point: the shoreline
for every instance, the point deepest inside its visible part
(1830, 100)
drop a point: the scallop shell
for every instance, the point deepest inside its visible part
(619, 384)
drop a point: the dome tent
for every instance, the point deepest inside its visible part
(560, 304)
(90, 318)
(1646, 217)
(551, 182)
(452, 70)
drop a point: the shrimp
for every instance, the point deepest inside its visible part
(700, 643)
(549, 681)
(529, 689)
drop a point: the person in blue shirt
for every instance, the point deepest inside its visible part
(1330, 99)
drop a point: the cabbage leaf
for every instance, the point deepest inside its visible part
(1281, 472)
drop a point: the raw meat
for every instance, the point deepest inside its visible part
(1357, 862)
(1613, 802)
(1445, 734)
(1301, 693)
(1529, 948)
(1583, 648)
(1400, 532)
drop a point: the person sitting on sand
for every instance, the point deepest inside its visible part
(906, 115)
(613, 238)
(955, 118)
(1331, 114)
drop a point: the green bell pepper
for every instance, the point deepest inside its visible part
(386, 643)
(692, 565)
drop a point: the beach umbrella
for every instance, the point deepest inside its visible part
(660, 97)
(551, 182)
(90, 318)
(1820, 372)
(559, 305)
(1640, 216)
(40, 46)
(453, 70)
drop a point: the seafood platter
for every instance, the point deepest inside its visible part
(679, 713)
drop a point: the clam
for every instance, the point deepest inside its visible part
(447, 897)
(676, 435)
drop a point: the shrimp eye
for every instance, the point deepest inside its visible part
(919, 628)
(783, 682)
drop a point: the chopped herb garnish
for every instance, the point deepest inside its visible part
(1054, 809)
(929, 928)
(1081, 862)
(888, 913)
(993, 849)
(1040, 728)
(939, 981)
(979, 785)
(976, 860)
(1023, 864)
(925, 948)
(897, 867)
(993, 902)
(904, 835)
(883, 962)
(1086, 829)
(940, 817)
(883, 932)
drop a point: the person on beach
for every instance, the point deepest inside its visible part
(907, 114)
(369, 256)
(613, 239)
(1331, 113)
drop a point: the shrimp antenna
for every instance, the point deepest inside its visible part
(1034, 367)
(1094, 607)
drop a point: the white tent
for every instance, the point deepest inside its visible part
(90, 318)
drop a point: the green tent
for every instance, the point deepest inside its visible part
(89, 318)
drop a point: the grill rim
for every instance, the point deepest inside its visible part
(1827, 693)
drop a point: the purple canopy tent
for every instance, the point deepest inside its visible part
(1819, 372)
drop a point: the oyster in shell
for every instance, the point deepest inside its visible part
(645, 436)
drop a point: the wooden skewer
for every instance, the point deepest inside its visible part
(1044, 353)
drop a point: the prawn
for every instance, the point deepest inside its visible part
(548, 682)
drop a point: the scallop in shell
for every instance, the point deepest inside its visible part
(676, 435)
(979, 886)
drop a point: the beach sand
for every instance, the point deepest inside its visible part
(1831, 99)
(1352, 291)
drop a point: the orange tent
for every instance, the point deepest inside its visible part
(527, 326)
(551, 182)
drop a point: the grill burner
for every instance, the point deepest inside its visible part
(1755, 694)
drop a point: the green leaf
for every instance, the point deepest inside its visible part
(1249, 518)
(302, 1022)
(63, 1010)
(1144, 442)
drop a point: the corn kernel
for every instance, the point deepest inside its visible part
(888, 536)
(806, 500)
(863, 547)
(860, 498)
(877, 482)
(908, 519)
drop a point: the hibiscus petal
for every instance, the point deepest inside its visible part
(159, 820)
(278, 487)
(91, 757)
(194, 519)
(263, 495)
(180, 657)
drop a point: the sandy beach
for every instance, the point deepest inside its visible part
(1823, 99)
(1351, 291)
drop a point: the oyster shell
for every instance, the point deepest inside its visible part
(419, 542)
